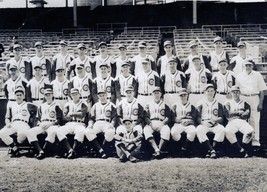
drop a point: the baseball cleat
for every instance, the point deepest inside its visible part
(213, 154)
(14, 153)
(40, 156)
(123, 158)
(132, 159)
(71, 154)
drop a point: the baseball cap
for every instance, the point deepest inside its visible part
(129, 88)
(37, 66)
(193, 43)
(48, 91)
(19, 89)
(102, 43)
(142, 44)
(157, 89)
(125, 63)
(81, 45)
(183, 91)
(241, 43)
(99, 91)
(172, 59)
(80, 65)
(122, 46)
(59, 67)
(103, 64)
(248, 62)
(222, 60)
(13, 67)
(15, 46)
(63, 42)
(235, 88)
(167, 43)
(208, 86)
(145, 60)
(127, 119)
(74, 90)
(38, 43)
(216, 39)
(195, 57)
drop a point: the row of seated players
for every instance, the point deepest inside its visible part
(131, 120)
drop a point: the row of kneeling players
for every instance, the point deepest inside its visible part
(127, 123)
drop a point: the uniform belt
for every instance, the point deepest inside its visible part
(40, 99)
(12, 99)
(157, 119)
(205, 119)
(249, 95)
(84, 97)
(196, 92)
(145, 94)
(171, 92)
(123, 96)
(107, 120)
(20, 120)
(222, 93)
(77, 121)
(61, 98)
(50, 120)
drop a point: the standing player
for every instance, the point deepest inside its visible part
(128, 141)
(137, 60)
(218, 54)
(157, 117)
(252, 87)
(223, 80)
(163, 61)
(35, 87)
(102, 120)
(210, 118)
(124, 80)
(22, 63)
(184, 118)
(62, 60)
(146, 80)
(60, 87)
(121, 59)
(188, 63)
(172, 81)
(237, 113)
(197, 77)
(19, 116)
(75, 113)
(103, 58)
(50, 117)
(41, 60)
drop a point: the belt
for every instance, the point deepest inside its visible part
(222, 93)
(50, 120)
(34, 99)
(12, 99)
(123, 96)
(157, 119)
(107, 120)
(171, 92)
(196, 92)
(61, 98)
(249, 95)
(20, 120)
(205, 119)
(145, 94)
(84, 97)
(78, 121)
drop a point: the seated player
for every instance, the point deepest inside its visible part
(210, 118)
(128, 141)
(184, 116)
(237, 112)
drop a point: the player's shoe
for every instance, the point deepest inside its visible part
(213, 154)
(103, 155)
(156, 155)
(132, 159)
(40, 156)
(123, 158)
(14, 153)
(71, 154)
(208, 155)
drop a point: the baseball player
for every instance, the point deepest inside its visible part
(121, 59)
(62, 59)
(102, 120)
(188, 62)
(83, 82)
(13, 83)
(210, 118)
(137, 60)
(163, 61)
(237, 62)
(35, 87)
(81, 59)
(128, 141)
(217, 54)
(172, 82)
(19, 116)
(124, 80)
(41, 60)
(184, 118)
(237, 112)
(103, 58)
(106, 82)
(60, 87)
(75, 113)
(223, 80)
(252, 87)
(22, 63)
(157, 117)
(50, 117)
(197, 77)
(146, 80)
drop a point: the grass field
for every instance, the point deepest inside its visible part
(91, 174)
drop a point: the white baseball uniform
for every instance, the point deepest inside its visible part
(44, 62)
(60, 61)
(23, 65)
(98, 60)
(60, 91)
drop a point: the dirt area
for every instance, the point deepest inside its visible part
(91, 174)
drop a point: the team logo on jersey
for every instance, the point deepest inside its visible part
(44, 66)
(42, 90)
(162, 112)
(22, 69)
(135, 111)
(108, 89)
(85, 87)
(108, 113)
(88, 69)
(24, 112)
(65, 91)
(215, 112)
(230, 84)
(203, 79)
(151, 81)
(52, 114)
(178, 83)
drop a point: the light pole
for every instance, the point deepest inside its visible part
(74, 13)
